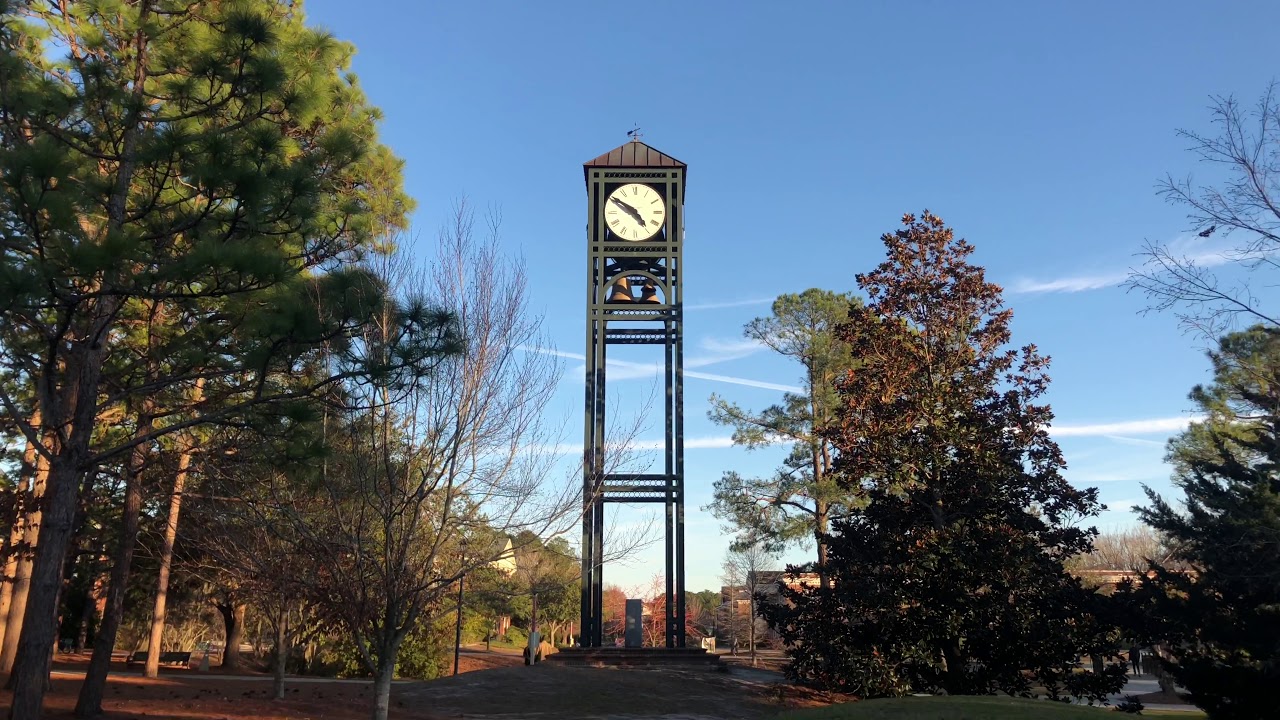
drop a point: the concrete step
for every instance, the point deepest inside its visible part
(635, 657)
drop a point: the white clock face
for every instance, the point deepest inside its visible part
(635, 212)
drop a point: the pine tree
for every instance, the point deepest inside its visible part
(215, 163)
(1217, 599)
(797, 502)
(951, 576)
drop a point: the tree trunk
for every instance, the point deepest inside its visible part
(13, 549)
(14, 545)
(533, 628)
(751, 628)
(953, 676)
(69, 404)
(152, 668)
(23, 561)
(457, 629)
(282, 655)
(1163, 678)
(382, 684)
(233, 624)
(821, 524)
(39, 620)
(89, 703)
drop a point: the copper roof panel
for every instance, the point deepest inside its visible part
(634, 154)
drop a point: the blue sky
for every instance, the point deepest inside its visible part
(1036, 130)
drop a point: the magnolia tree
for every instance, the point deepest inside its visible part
(949, 575)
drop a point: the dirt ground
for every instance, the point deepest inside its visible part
(493, 686)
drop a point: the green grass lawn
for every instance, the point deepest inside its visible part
(965, 708)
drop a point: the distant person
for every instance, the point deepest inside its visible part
(1135, 659)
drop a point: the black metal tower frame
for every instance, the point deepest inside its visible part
(609, 259)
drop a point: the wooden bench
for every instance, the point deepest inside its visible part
(172, 657)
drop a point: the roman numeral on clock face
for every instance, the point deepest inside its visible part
(629, 217)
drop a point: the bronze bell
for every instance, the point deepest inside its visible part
(622, 292)
(649, 293)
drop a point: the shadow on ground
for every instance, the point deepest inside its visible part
(555, 691)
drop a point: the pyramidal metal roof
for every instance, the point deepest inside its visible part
(633, 154)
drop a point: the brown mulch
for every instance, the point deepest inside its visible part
(188, 698)
(492, 685)
(185, 694)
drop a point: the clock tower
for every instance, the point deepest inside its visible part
(635, 234)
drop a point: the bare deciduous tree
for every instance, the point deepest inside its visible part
(1129, 549)
(426, 477)
(744, 565)
(1244, 206)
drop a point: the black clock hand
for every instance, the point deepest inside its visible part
(627, 208)
(635, 214)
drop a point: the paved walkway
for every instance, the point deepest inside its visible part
(1143, 684)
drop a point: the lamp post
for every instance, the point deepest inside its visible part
(457, 632)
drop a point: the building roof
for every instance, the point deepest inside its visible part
(633, 154)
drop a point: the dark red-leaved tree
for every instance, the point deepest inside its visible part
(951, 576)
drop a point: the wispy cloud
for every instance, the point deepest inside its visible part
(1095, 477)
(553, 351)
(1129, 427)
(742, 381)
(1077, 283)
(707, 443)
(699, 443)
(627, 370)
(1135, 441)
(732, 347)
(1204, 252)
(717, 351)
(729, 304)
